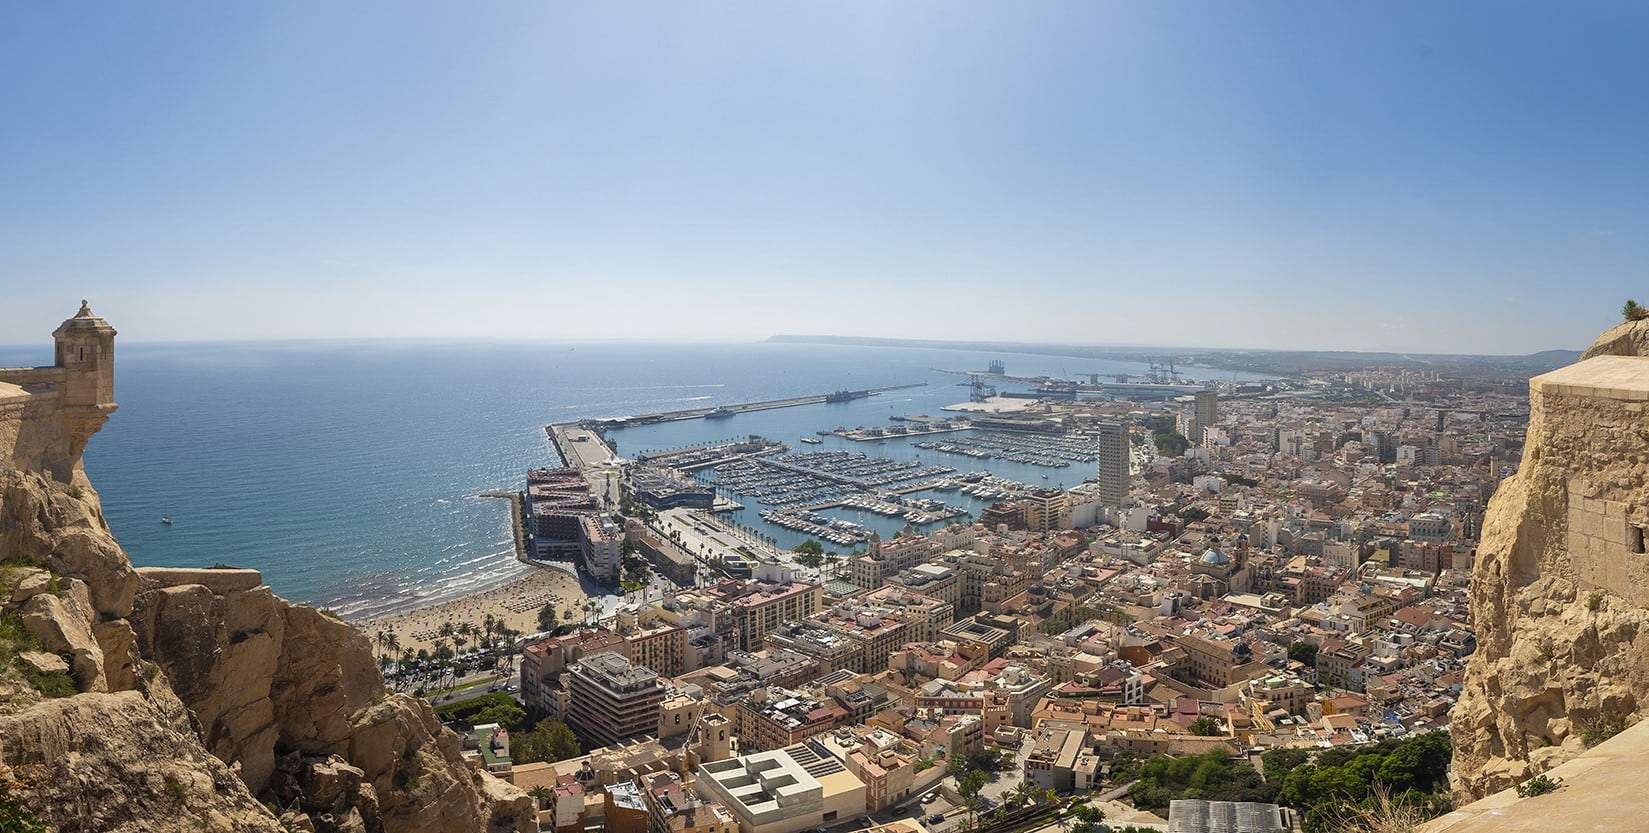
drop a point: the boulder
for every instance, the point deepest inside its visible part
(116, 763)
(63, 626)
(44, 663)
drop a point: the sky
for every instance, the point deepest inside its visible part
(1466, 177)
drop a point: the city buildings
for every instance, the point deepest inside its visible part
(783, 790)
(610, 700)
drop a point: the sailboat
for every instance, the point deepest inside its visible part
(166, 516)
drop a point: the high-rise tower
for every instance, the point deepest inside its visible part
(1113, 464)
(1206, 412)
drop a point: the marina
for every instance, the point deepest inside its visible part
(902, 427)
(706, 455)
(1047, 451)
(814, 482)
(820, 478)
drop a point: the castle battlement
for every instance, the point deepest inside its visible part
(47, 414)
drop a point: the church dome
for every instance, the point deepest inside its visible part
(1214, 557)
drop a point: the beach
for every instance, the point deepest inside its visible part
(516, 603)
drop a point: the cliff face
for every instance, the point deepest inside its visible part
(187, 700)
(1560, 593)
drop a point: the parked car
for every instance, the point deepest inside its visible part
(928, 799)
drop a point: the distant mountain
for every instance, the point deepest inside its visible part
(1264, 362)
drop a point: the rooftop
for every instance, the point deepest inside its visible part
(616, 671)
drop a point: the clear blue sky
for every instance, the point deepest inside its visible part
(1428, 176)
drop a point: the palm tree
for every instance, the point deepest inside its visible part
(541, 793)
(392, 643)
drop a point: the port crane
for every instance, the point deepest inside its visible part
(978, 390)
(1164, 373)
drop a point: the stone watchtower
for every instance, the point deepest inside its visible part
(86, 351)
(47, 414)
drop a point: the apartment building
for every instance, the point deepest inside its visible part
(610, 700)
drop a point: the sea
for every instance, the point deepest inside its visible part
(352, 473)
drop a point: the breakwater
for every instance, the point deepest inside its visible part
(721, 411)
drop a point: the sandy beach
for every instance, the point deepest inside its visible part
(516, 603)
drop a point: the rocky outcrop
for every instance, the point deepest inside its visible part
(203, 695)
(123, 763)
(1627, 339)
(1559, 600)
(280, 689)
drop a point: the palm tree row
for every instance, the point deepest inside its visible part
(492, 636)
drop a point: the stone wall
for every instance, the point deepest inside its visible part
(1559, 598)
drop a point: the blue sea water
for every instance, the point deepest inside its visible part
(350, 473)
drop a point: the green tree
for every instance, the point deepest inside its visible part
(546, 617)
(1206, 727)
(1282, 760)
(1170, 443)
(1304, 653)
(550, 740)
(1632, 312)
(508, 715)
(1088, 818)
(809, 547)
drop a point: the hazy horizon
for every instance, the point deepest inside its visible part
(1411, 177)
(986, 345)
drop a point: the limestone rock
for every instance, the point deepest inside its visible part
(63, 626)
(1557, 600)
(115, 763)
(1627, 339)
(32, 584)
(274, 684)
(120, 658)
(44, 663)
(43, 522)
(513, 810)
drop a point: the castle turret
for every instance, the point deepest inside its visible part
(86, 348)
(86, 352)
